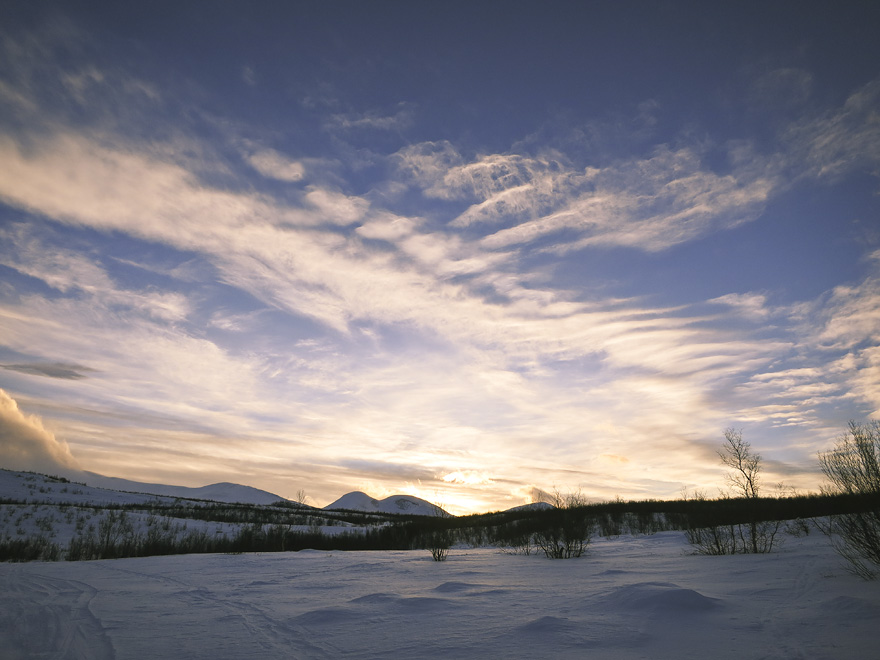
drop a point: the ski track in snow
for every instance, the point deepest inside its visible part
(628, 598)
(49, 617)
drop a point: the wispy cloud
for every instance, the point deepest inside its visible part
(375, 121)
(51, 369)
(842, 139)
(272, 164)
(751, 305)
(650, 203)
(849, 323)
(70, 272)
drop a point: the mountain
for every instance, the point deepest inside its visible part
(534, 506)
(222, 492)
(38, 488)
(407, 504)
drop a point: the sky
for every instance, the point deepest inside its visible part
(463, 251)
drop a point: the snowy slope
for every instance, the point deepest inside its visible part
(38, 488)
(414, 506)
(629, 598)
(222, 492)
(110, 490)
(36, 506)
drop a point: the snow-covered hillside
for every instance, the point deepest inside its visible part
(629, 598)
(89, 487)
(48, 514)
(358, 501)
(222, 492)
(37, 488)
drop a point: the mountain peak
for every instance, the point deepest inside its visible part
(405, 504)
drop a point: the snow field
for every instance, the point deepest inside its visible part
(630, 597)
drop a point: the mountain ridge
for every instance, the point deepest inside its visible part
(232, 493)
(220, 492)
(400, 504)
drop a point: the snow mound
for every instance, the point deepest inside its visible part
(456, 587)
(548, 625)
(660, 598)
(328, 616)
(406, 504)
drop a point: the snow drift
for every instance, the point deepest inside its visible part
(630, 598)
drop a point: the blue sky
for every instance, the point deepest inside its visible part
(457, 250)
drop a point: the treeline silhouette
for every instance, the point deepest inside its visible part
(122, 531)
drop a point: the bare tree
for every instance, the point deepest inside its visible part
(853, 468)
(745, 466)
(754, 536)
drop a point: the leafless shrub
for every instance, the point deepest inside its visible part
(439, 545)
(713, 539)
(568, 527)
(798, 528)
(853, 468)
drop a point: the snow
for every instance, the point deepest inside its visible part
(93, 488)
(41, 516)
(37, 488)
(630, 597)
(407, 504)
(222, 492)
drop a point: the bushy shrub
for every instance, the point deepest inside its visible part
(33, 548)
(113, 537)
(439, 545)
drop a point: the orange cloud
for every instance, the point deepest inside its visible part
(26, 445)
